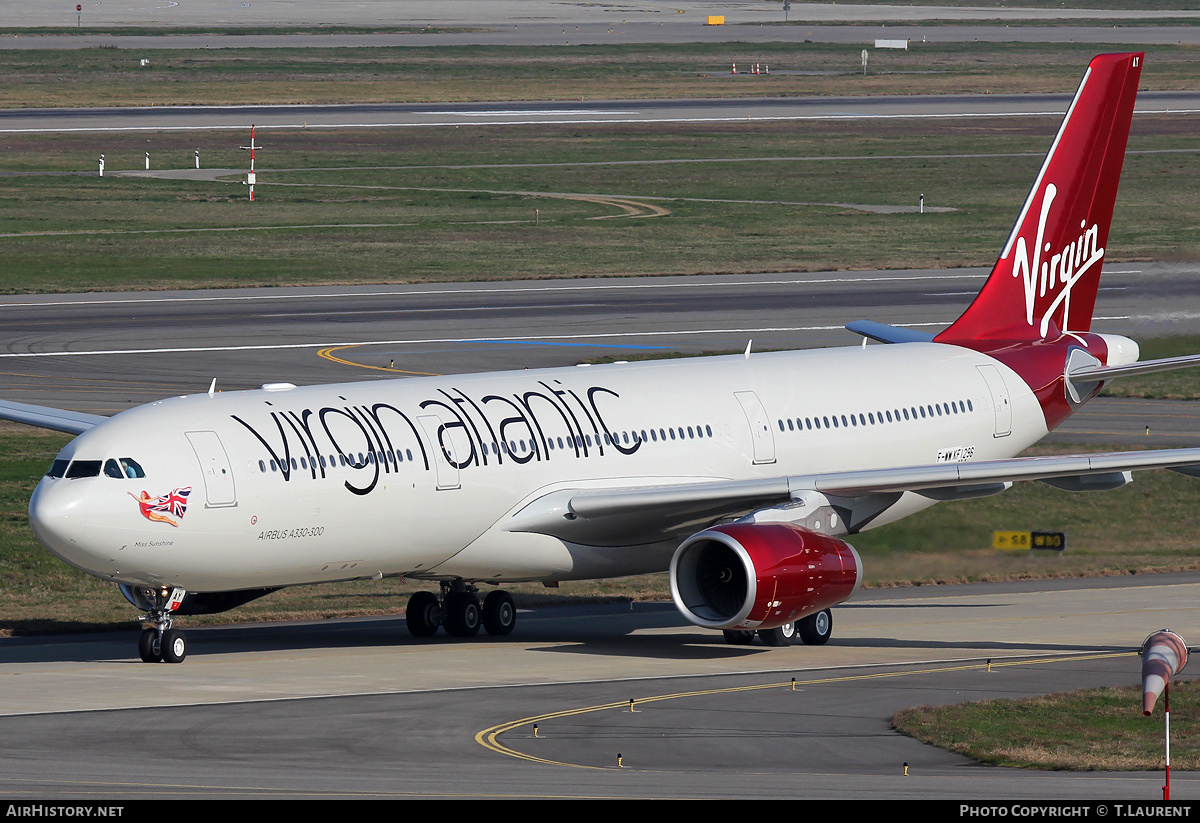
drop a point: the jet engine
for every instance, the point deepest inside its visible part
(760, 575)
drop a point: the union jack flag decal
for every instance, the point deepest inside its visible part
(165, 507)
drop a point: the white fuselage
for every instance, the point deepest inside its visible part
(303, 485)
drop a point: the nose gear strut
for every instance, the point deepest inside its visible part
(159, 642)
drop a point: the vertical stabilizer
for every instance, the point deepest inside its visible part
(1046, 279)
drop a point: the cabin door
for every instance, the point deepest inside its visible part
(442, 449)
(760, 426)
(214, 465)
(1000, 399)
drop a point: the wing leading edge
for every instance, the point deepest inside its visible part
(45, 417)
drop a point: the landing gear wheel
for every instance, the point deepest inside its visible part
(422, 614)
(174, 646)
(499, 613)
(148, 647)
(157, 642)
(785, 635)
(462, 614)
(816, 629)
(738, 638)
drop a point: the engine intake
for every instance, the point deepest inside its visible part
(761, 575)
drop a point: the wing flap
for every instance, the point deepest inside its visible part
(640, 515)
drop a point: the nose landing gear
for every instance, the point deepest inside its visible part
(159, 642)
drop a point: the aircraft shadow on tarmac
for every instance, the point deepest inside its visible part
(653, 631)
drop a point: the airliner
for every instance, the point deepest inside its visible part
(741, 475)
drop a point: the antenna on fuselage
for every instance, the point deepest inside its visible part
(212, 387)
(749, 343)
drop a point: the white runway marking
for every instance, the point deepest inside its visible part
(428, 340)
(571, 121)
(502, 290)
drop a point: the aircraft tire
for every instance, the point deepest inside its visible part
(816, 629)
(785, 635)
(499, 613)
(174, 646)
(421, 614)
(462, 614)
(147, 647)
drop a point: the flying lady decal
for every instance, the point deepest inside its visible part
(162, 509)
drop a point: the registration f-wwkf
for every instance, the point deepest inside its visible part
(742, 475)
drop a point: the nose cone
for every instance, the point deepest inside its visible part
(57, 513)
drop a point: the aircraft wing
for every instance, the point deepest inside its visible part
(645, 514)
(45, 417)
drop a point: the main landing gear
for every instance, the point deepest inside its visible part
(159, 643)
(814, 630)
(458, 610)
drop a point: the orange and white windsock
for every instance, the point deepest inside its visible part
(1164, 654)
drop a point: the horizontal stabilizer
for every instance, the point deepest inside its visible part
(45, 417)
(888, 334)
(1098, 373)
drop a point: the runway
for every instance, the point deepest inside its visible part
(406, 115)
(546, 22)
(106, 352)
(345, 709)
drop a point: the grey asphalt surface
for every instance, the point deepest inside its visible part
(407, 115)
(551, 22)
(105, 352)
(356, 708)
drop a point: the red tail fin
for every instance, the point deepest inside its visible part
(1046, 279)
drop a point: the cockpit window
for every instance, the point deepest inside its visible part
(132, 468)
(125, 467)
(83, 468)
(58, 468)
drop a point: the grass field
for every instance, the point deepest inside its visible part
(112, 76)
(420, 205)
(432, 204)
(1088, 730)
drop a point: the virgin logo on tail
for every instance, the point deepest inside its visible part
(1063, 269)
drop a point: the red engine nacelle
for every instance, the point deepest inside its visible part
(760, 575)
